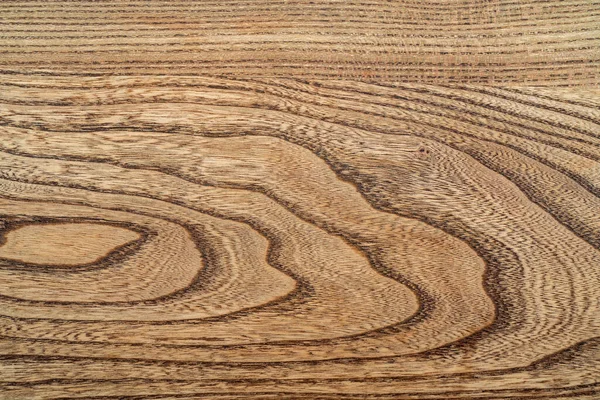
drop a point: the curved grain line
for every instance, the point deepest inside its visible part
(116, 255)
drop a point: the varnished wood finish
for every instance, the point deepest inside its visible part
(299, 200)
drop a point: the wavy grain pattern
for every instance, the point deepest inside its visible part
(300, 200)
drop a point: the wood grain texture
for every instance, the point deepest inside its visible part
(300, 200)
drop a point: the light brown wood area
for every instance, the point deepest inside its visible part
(300, 200)
(63, 244)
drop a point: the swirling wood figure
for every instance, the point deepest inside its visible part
(300, 200)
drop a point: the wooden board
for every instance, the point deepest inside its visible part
(300, 200)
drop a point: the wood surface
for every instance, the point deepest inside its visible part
(300, 199)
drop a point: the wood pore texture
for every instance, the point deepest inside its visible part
(250, 199)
